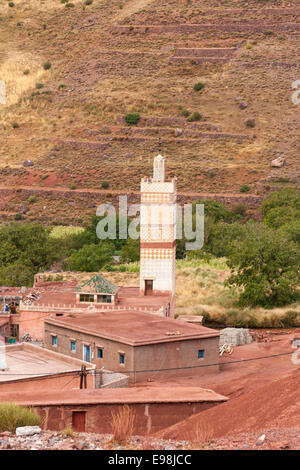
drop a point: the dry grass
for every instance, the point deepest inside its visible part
(68, 432)
(122, 423)
(12, 73)
(13, 416)
(201, 435)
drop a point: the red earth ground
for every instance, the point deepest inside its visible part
(263, 393)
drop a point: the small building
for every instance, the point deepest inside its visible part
(135, 343)
(30, 368)
(97, 290)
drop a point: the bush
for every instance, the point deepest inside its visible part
(47, 65)
(185, 113)
(250, 123)
(72, 186)
(199, 86)
(26, 72)
(88, 2)
(132, 118)
(13, 416)
(245, 188)
(32, 199)
(39, 85)
(15, 125)
(105, 185)
(11, 4)
(195, 117)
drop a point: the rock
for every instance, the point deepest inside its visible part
(178, 132)
(261, 440)
(28, 163)
(278, 162)
(28, 430)
(243, 105)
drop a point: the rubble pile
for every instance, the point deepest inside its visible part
(235, 336)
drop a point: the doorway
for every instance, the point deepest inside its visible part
(148, 287)
(78, 420)
(86, 353)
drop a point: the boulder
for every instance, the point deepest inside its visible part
(278, 162)
(28, 430)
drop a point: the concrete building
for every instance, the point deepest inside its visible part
(135, 343)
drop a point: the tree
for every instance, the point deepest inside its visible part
(91, 258)
(266, 265)
(281, 207)
(130, 251)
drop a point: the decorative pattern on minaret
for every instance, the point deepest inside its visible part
(158, 233)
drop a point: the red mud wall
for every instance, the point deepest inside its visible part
(149, 418)
(65, 381)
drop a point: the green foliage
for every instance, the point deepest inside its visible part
(32, 199)
(47, 65)
(199, 86)
(91, 258)
(105, 185)
(185, 113)
(24, 250)
(15, 125)
(132, 118)
(245, 188)
(39, 85)
(13, 416)
(130, 252)
(195, 117)
(281, 208)
(266, 265)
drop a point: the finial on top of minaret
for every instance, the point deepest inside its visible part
(159, 165)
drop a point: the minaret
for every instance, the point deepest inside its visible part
(158, 233)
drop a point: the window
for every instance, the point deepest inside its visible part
(122, 358)
(100, 353)
(200, 353)
(54, 340)
(73, 346)
(86, 298)
(104, 299)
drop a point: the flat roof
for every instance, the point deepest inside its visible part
(131, 327)
(25, 360)
(129, 395)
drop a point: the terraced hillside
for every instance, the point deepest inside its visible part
(74, 70)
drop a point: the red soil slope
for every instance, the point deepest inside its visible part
(276, 404)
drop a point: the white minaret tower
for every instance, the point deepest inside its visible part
(158, 233)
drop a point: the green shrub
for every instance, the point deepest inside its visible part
(26, 72)
(245, 188)
(72, 186)
(18, 216)
(11, 4)
(132, 118)
(31, 199)
(47, 65)
(105, 185)
(88, 2)
(199, 86)
(13, 416)
(195, 117)
(39, 85)
(15, 125)
(185, 113)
